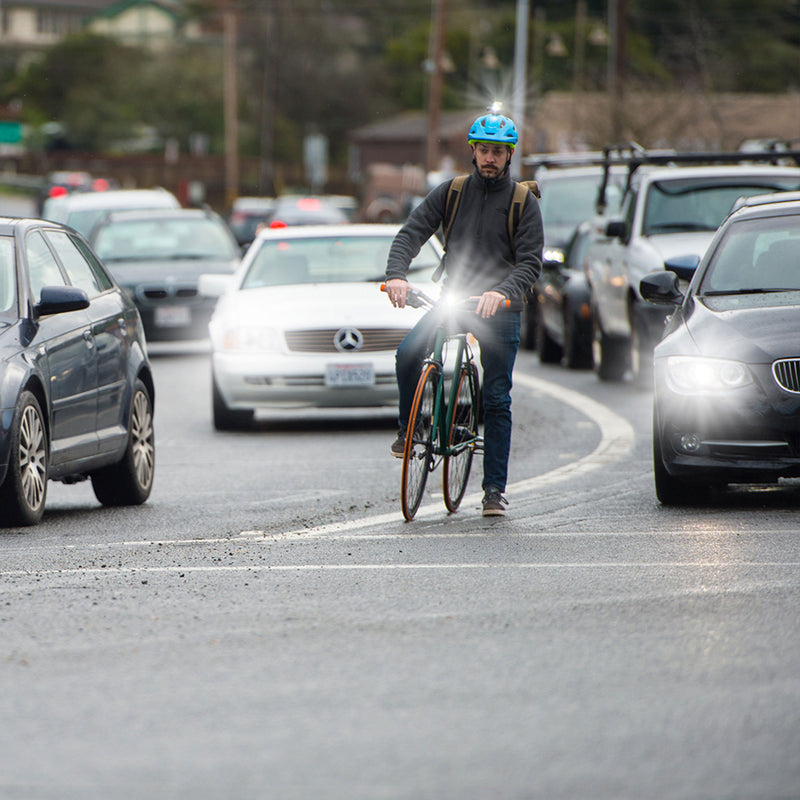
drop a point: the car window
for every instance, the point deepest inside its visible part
(7, 277)
(43, 268)
(696, 205)
(570, 201)
(197, 238)
(756, 255)
(344, 259)
(81, 273)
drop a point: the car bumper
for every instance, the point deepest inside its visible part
(175, 320)
(750, 437)
(249, 382)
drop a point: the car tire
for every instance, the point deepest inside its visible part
(609, 353)
(24, 490)
(527, 329)
(641, 355)
(228, 419)
(550, 351)
(130, 481)
(672, 491)
(577, 344)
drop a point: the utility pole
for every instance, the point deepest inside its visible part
(435, 66)
(230, 103)
(520, 64)
(617, 57)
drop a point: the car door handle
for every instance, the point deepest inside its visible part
(123, 326)
(88, 338)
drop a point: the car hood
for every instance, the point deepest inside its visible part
(681, 244)
(316, 305)
(753, 328)
(131, 273)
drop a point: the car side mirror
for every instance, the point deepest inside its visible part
(213, 284)
(60, 299)
(662, 287)
(616, 229)
(683, 266)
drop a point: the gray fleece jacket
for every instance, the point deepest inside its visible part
(480, 256)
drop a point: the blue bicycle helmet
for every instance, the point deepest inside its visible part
(493, 128)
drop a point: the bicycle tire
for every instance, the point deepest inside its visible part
(418, 453)
(464, 424)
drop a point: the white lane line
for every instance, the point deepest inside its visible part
(616, 440)
(592, 565)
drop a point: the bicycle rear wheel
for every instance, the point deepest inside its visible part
(418, 455)
(463, 429)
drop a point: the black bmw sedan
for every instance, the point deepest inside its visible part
(726, 404)
(76, 389)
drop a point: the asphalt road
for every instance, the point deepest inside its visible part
(267, 626)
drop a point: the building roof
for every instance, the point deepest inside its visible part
(413, 124)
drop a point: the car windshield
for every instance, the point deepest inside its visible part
(167, 238)
(570, 201)
(7, 276)
(327, 259)
(755, 256)
(695, 204)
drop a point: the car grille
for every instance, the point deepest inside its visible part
(323, 341)
(787, 374)
(158, 293)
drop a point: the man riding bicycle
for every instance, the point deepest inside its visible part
(483, 260)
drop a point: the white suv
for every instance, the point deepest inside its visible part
(667, 211)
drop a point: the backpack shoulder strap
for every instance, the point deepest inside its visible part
(451, 204)
(521, 189)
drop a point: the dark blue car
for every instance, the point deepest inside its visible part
(76, 389)
(727, 371)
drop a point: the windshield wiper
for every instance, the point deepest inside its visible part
(678, 226)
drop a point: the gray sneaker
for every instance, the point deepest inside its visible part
(493, 502)
(399, 444)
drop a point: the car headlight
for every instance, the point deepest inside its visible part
(554, 254)
(251, 338)
(694, 375)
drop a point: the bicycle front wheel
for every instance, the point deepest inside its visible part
(461, 436)
(418, 454)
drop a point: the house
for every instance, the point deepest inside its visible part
(149, 23)
(27, 26)
(30, 26)
(572, 122)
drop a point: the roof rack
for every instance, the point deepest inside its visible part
(633, 156)
(765, 199)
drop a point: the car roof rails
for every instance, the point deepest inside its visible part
(766, 199)
(633, 156)
(577, 159)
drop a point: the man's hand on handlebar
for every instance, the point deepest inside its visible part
(489, 303)
(397, 289)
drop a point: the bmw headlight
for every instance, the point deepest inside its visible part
(695, 375)
(251, 338)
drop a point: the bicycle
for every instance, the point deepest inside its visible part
(443, 423)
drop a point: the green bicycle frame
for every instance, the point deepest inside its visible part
(441, 423)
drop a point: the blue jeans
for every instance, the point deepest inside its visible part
(499, 339)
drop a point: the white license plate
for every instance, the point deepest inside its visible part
(350, 375)
(173, 316)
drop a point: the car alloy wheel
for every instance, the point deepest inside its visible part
(23, 493)
(32, 457)
(142, 448)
